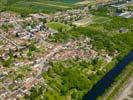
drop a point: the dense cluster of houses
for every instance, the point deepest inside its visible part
(70, 16)
(82, 49)
(15, 81)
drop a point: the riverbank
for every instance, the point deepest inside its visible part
(120, 84)
(109, 78)
(126, 92)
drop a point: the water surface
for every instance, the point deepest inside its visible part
(108, 79)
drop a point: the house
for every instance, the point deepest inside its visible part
(39, 16)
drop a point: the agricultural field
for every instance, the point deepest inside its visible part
(67, 1)
(33, 6)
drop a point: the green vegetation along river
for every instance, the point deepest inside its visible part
(108, 79)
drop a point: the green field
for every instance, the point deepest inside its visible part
(34, 6)
(100, 20)
(67, 1)
(57, 26)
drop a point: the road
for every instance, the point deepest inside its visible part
(5, 87)
(126, 90)
(41, 65)
(2, 36)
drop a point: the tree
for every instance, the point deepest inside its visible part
(32, 47)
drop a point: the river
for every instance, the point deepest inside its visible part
(100, 87)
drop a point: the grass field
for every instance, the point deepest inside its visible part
(1, 6)
(67, 1)
(57, 26)
(33, 6)
(100, 20)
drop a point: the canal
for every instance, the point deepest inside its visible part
(100, 87)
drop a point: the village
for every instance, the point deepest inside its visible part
(25, 51)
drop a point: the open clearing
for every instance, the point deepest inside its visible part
(83, 22)
(57, 26)
(100, 20)
(84, 3)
